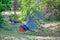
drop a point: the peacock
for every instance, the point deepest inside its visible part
(31, 22)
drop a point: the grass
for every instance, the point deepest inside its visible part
(44, 32)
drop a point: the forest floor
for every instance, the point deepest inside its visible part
(47, 32)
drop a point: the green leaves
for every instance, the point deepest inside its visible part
(5, 5)
(5, 1)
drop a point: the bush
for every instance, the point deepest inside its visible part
(1, 21)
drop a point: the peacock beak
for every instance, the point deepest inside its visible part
(20, 29)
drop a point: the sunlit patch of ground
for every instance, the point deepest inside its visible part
(29, 38)
(52, 25)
